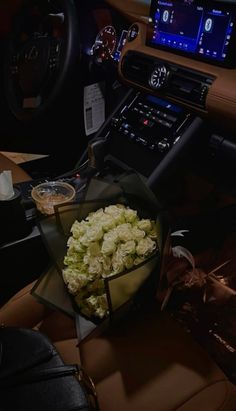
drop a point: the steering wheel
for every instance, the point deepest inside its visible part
(41, 52)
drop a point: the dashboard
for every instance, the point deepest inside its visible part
(196, 67)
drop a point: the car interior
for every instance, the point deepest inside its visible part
(103, 89)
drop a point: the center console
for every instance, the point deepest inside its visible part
(150, 135)
(145, 130)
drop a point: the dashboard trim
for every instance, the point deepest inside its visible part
(221, 99)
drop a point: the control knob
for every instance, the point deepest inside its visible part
(159, 77)
(163, 146)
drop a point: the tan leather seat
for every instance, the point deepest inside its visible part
(148, 362)
(22, 310)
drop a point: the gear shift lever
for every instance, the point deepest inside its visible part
(96, 154)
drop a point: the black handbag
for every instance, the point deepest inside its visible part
(34, 377)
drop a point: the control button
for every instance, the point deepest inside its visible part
(142, 141)
(152, 147)
(132, 136)
(126, 126)
(146, 122)
(169, 117)
(159, 120)
(167, 124)
(163, 146)
(115, 121)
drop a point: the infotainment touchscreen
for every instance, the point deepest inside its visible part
(203, 29)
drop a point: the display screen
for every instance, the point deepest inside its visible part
(188, 26)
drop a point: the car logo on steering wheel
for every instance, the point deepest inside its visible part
(32, 55)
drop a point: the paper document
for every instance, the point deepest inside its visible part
(94, 107)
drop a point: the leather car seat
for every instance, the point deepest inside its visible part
(150, 363)
(146, 362)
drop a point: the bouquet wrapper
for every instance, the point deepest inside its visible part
(122, 290)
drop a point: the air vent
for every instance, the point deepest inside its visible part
(184, 84)
(188, 85)
(136, 67)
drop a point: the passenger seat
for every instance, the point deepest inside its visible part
(150, 363)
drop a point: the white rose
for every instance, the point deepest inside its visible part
(78, 228)
(137, 234)
(153, 232)
(75, 279)
(117, 263)
(128, 261)
(124, 232)
(85, 240)
(94, 233)
(130, 215)
(145, 246)
(128, 248)
(95, 216)
(112, 236)
(97, 305)
(106, 264)
(95, 267)
(144, 225)
(108, 247)
(72, 259)
(107, 222)
(116, 212)
(75, 245)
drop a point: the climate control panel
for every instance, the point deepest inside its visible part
(149, 126)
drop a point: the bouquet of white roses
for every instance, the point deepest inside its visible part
(105, 248)
(108, 242)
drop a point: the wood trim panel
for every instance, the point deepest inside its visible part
(133, 9)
